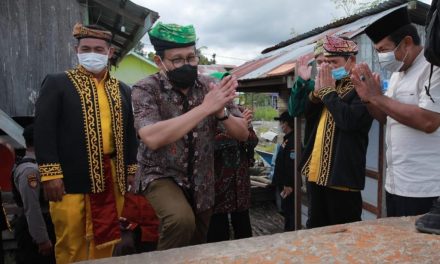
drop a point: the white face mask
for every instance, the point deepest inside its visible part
(389, 62)
(93, 62)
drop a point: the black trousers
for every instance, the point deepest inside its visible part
(27, 249)
(287, 209)
(219, 226)
(331, 207)
(131, 243)
(407, 206)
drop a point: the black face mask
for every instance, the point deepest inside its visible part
(183, 77)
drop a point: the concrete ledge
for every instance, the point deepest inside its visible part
(385, 240)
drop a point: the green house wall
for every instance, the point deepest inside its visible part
(131, 69)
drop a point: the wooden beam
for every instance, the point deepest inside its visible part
(117, 44)
(262, 82)
(381, 171)
(120, 11)
(372, 174)
(298, 177)
(116, 31)
(370, 208)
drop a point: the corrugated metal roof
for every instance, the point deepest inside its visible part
(127, 21)
(418, 16)
(9, 127)
(278, 60)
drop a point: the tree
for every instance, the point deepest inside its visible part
(151, 55)
(203, 59)
(347, 5)
(293, 32)
(367, 5)
(352, 7)
(139, 48)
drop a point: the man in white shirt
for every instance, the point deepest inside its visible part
(412, 114)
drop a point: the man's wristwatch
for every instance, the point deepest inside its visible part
(226, 115)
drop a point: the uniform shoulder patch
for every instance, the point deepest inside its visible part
(32, 180)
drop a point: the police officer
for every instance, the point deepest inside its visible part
(34, 229)
(284, 174)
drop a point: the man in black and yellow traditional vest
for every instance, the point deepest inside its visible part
(335, 156)
(85, 145)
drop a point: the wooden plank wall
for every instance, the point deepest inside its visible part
(36, 40)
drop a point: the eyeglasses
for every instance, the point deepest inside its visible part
(179, 62)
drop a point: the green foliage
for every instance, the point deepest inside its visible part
(203, 59)
(151, 55)
(253, 100)
(266, 113)
(270, 147)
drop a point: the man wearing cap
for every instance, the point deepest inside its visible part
(232, 160)
(176, 115)
(301, 89)
(85, 145)
(284, 173)
(334, 158)
(304, 83)
(411, 113)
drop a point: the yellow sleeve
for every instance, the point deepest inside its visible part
(52, 177)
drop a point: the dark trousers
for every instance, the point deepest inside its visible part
(287, 208)
(219, 226)
(309, 204)
(131, 243)
(27, 250)
(407, 206)
(331, 207)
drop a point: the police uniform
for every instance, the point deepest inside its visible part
(34, 226)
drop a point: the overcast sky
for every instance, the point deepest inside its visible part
(238, 30)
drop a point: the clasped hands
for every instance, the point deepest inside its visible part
(220, 94)
(366, 83)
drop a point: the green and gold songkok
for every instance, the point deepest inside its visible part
(170, 36)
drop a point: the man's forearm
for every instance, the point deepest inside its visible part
(237, 127)
(407, 114)
(376, 113)
(168, 131)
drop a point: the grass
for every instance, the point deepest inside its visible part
(266, 113)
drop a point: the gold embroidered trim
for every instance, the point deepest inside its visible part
(313, 98)
(326, 151)
(131, 169)
(115, 103)
(50, 169)
(87, 92)
(306, 168)
(6, 219)
(324, 91)
(344, 87)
